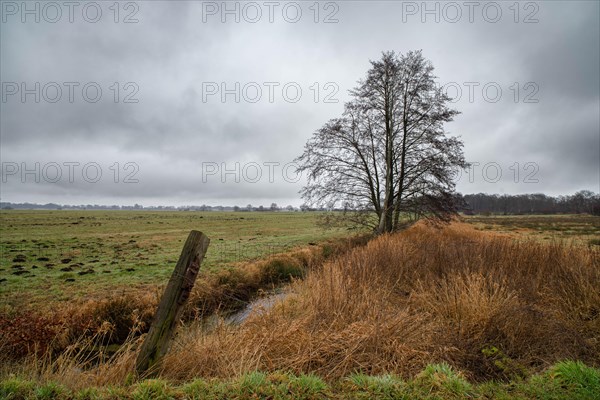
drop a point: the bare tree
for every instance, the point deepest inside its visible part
(388, 154)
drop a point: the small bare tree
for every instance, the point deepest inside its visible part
(388, 154)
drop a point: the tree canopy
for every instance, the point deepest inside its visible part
(388, 153)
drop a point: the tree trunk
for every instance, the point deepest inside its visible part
(385, 221)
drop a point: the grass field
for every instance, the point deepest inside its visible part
(499, 307)
(48, 256)
(583, 229)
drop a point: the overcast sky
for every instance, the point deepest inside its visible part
(188, 92)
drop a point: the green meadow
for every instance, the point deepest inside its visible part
(64, 255)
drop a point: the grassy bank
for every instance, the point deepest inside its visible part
(120, 318)
(565, 380)
(490, 306)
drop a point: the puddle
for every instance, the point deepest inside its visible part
(257, 306)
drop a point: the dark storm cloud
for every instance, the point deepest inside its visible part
(175, 130)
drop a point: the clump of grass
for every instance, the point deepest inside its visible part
(155, 389)
(123, 314)
(16, 388)
(577, 378)
(442, 380)
(49, 391)
(281, 269)
(381, 386)
(307, 386)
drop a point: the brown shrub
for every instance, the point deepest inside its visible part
(27, 333)
(118, 316)
(109, 321)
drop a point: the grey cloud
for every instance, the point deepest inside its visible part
(170, 132)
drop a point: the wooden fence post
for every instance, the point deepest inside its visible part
(169, 309)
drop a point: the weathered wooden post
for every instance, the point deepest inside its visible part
(169, 309)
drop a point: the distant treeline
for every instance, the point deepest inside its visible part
(54, 206)
(581, 202)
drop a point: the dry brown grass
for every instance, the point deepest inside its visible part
(489, 305)
(111, 320)
(232, 288)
